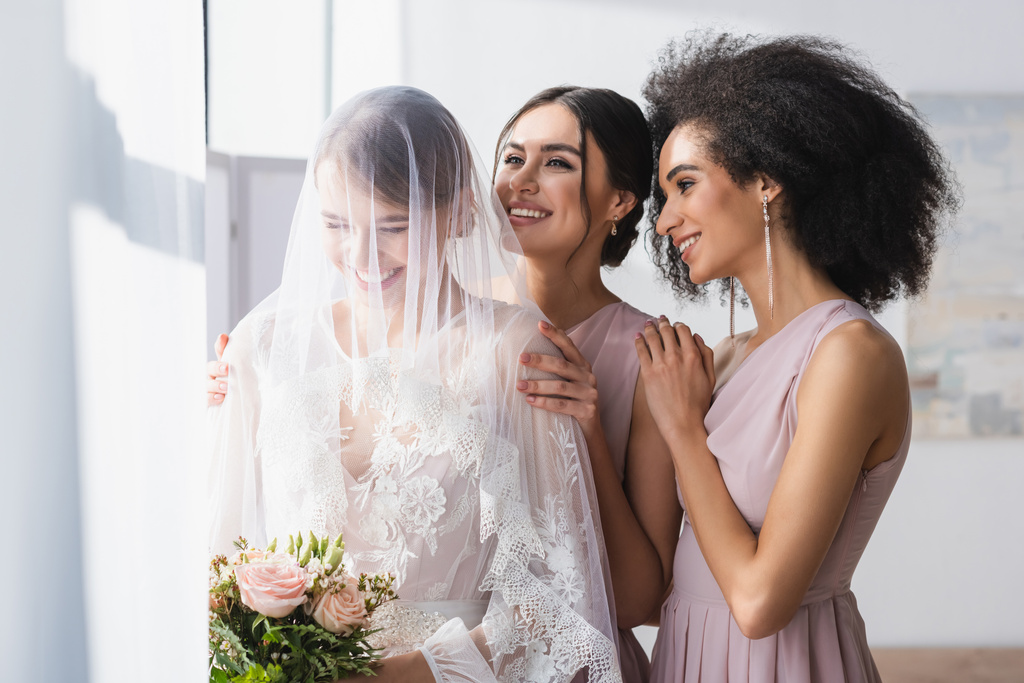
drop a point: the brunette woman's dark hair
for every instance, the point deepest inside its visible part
(865, 189)
(618, 127)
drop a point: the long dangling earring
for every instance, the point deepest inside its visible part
(615, 225)
(768, 255)
(732, 309)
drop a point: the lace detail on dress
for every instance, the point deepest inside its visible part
(537, 570)
(411, 430)
(460, 503)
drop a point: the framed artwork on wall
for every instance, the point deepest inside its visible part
(965, 350)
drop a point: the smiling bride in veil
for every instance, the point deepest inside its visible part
(373, 394)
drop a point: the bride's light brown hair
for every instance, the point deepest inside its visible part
(404, 143)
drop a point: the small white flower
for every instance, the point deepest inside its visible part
(505, 631)
(560, 559)
(569, 585)
(540, 668)
(385, 506)
(422, 502)
(374, 529)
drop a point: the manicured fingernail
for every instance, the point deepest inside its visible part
(639, 335)
(648, 323)
(218, 397)
(524, 358)
(698, 338)
(223, 386)
(545, 324)
(531, 399)
(522, 385)
(223, 368)
(662, 317)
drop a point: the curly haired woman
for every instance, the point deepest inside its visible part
(787, 168)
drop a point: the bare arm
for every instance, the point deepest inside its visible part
(640, 517)
(650, 485)
(410, 667)
(852, 402)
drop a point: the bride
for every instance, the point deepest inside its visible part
(373, 394)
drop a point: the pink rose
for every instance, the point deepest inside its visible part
(272, 589)
(343, 611)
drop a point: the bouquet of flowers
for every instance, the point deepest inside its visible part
(292, 616)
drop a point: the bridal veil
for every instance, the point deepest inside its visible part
(373, 395)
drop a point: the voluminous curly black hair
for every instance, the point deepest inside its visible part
(618, 127)
(865, 189)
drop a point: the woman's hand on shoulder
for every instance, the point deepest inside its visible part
(678, 371)
(216, 371)
(574, 393)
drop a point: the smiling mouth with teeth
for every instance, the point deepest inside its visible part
(528, 213)
(370, 279)
(689, 242)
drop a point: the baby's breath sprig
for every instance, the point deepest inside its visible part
(377, 589)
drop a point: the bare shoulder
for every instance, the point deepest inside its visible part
(863, 349)
(857, 376)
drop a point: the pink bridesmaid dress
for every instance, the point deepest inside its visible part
(750, 425)
(606, 340)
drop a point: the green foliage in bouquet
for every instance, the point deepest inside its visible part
(291, 617)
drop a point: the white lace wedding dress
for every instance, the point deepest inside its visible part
(415, 446)
(494, 531)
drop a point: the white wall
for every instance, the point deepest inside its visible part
(266, 76)
(103, 308)
(943, 566)
(136, 240)
(39, 498)
(219, 248)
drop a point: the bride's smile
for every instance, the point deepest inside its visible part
(365, 238)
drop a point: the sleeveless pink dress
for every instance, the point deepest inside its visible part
(606, 340)
(750, 425)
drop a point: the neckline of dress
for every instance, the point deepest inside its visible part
(777, 335)
(592, 316)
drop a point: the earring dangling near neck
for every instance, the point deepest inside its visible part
(768, 255)
(615, 225)
(732, 309)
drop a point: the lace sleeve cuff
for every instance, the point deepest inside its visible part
(453, 656)
(431, 663)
